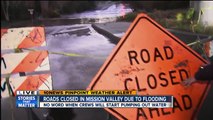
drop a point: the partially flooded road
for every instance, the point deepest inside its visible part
(90, 50)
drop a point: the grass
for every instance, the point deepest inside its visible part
(167, 18)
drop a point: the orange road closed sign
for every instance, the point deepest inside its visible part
(151, 60)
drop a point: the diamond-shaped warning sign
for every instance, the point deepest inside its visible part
(151, 60)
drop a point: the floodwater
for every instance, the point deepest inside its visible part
(104, 14)
(91, 49)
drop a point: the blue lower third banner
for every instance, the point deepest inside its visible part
(106, 104)
(104, 98)
(27, 101)
(105, 101)
(93, 101)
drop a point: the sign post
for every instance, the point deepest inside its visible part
(31, 13)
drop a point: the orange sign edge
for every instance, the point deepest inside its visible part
(119, 45)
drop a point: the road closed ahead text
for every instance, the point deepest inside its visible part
(155, 80)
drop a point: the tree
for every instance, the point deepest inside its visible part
(5, 7)
(203, 11)
(44, 8)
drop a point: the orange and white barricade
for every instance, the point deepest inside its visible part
(34, 63)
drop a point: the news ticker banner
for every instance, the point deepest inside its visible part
(90, 99)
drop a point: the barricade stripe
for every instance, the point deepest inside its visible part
(31, 62)
(47, 85)
(34, 82)
(3, 31)
(35, 38)
(22, 37)
(14, 36)
(11, 61)
(25, 62)
(4, 88)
